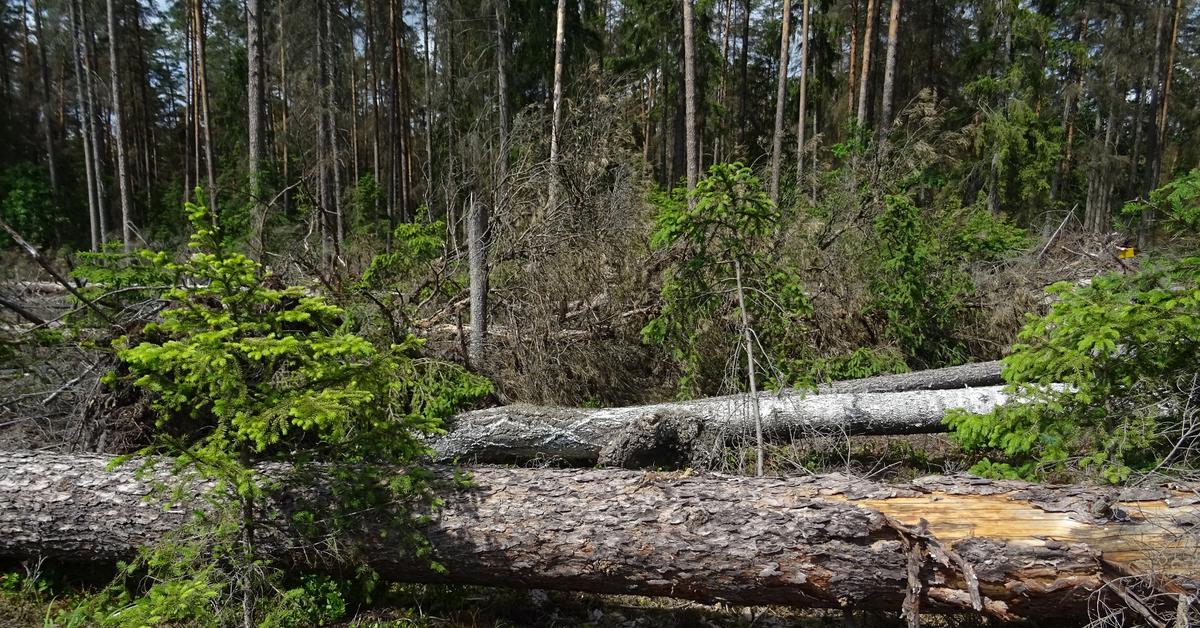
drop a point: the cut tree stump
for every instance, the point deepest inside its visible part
(1009, 549)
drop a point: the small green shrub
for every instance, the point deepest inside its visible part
(732, 222)
(27, 203)
(1110, 375)
(1125, 348)
(240, 372)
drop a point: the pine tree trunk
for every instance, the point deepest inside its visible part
(118, 135)
(864, 82)
(352, 27)
(556, 106)
(428, 88)
(1154, 166)
(721, 148)
(330, 90)
(44, 84)
(89, 165)
(958, 543)
(852, 67)
(93, 114)
(690, 433)
(205, 109)
(889, 73)
(689, 86)
(284, 139)
(477, 227)
(744, 82)
(255, 107)
(785, 44)
(323, 191)
(805, 44)
(1073, 93)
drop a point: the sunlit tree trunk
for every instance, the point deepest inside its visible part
(556, 111)
(202, 77)
(864, 82)
(118, 135)
(889, 73)
(85, 122)
(255, 107)
(744, 82)
(477, 224)
(428, 89)
(689, 85)
(852, 69)
(785, 43)
(93, 114)
(329, 83)
(805, 45)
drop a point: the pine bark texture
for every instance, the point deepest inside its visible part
(691, 432)
(1008, 549)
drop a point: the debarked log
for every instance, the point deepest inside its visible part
(689, 432)
(1009, 549)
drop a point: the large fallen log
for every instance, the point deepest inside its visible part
(1009, 549)
(688, 432)
(963, 376)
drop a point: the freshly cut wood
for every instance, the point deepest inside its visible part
(688, 432)
(1009, 549)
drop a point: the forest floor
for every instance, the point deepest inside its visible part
(444, 606)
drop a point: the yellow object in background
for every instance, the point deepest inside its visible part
(1126, 252)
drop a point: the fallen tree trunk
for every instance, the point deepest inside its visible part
(689, 432)
(1006, 548)
(963, 376)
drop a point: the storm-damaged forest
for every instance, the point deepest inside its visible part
(599, 312)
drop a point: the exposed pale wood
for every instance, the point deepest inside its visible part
(820, 541)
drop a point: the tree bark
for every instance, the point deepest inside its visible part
(92, 114)
(44, 83)
(689, 87)
(851, 80)
(118, 135)
(1007, 549)
(744, 82)
(255, 107)
(964, 376)
(691, 432)
(85, 122)
(780, 98)
(889, 71)
(202, 87)
(800, 128)
(1154, 157)
(863, 76)
(477, 227)
(556, 111)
